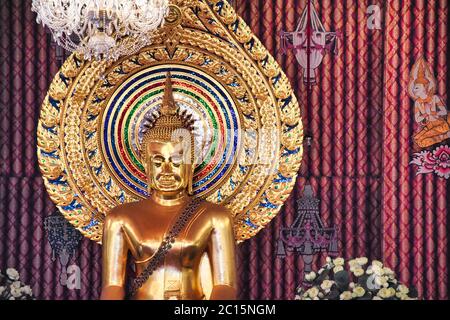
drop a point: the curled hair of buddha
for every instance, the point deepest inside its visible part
(168, 124)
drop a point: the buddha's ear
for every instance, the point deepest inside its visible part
(190, 178)
(148, 168)
(142, 157)
(189, 163)
(144, 163)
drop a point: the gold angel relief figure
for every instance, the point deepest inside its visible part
(429, 109)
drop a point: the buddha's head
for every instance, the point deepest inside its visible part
(422, 83)
(420, 88)
(167, 148)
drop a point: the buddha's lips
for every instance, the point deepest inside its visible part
(167, 180)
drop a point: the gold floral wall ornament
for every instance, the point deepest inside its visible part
(251, 129)
(174, 16)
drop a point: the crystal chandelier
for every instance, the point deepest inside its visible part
(101, 29)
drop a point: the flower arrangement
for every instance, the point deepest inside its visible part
(11, 288)
(362, 281)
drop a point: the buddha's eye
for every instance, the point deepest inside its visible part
(176, 161)
(157, 162)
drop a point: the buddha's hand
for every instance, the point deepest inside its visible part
(112, 293)
(223, 292)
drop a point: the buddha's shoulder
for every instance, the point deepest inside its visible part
(122, 210)
(216, 210)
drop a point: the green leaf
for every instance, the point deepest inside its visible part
(342, 279)
(333, 294)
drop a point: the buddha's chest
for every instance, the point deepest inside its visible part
(427, 107)
(145, 236)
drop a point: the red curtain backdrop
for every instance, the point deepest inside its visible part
(414, 207)
(359, 117)
(343, 117)
(28, 64)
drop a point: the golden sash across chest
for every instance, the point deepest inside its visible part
(161, 254)
(173, 277)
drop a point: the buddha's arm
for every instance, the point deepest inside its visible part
(440, 106)
(114, 259)
(221, 251)
(419, 113)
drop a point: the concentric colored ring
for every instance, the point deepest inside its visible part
(205, 98)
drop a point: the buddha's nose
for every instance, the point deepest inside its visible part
(166, 168)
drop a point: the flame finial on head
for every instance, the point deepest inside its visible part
(168, 105)
(165, 123)
(421, 74)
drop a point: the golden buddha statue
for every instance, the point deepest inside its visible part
(429, 110)
(169, 232)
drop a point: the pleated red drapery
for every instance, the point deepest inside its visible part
(28, 64)
(359, 117)
(415, 208)
(343, 117)
(361, 121)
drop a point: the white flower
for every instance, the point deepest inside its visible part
(381, 281)
(313, 292)
(27, 290)
(16, 292)
(12, 298)
(358, 272)
(376, 298)
(377, 270)
(338, 261)
(359, 292)
(388, 271)
(310, 276)
(297, 297)
(401, 296)
(2, 289)
(338, 269)
(351, 285)
(377, 263)
(328, 259)
(353, 263)
(403, 289)
(386, 293)
(391, 292)
(327, 284)
(346, 295)
(12, 274)
(15, 284)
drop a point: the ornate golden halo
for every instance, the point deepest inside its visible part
(91, 119)
(174, 16)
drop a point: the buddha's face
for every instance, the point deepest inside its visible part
(166, 167)
(420, 91)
